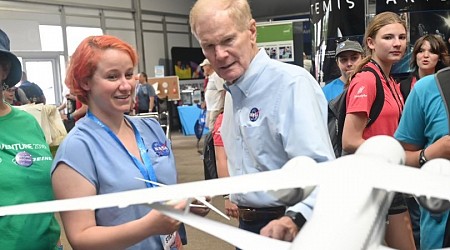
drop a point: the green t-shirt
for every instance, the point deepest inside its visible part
(20, 182)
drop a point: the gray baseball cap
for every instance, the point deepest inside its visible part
(348, 46)
(15, 74)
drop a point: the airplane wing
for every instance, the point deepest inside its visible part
(231, 234)
(303, 169)
(399, 178)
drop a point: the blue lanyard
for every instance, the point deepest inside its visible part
(147, 169)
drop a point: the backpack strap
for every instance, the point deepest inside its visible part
(377, 105)
(341, 104)
(441, 78)
(405, 86)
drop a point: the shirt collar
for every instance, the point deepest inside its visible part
(248, 79)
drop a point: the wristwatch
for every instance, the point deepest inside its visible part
(422, 158)
(297, 218)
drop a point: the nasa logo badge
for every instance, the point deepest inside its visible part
(160, 149)
(254, 114)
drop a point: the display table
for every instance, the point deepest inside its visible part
(188, 116)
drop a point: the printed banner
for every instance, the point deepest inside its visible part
(277, 40)
(411, 6)
(333, 20)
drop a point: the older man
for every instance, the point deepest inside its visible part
(276, 112)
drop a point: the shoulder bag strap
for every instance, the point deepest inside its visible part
(442, 77)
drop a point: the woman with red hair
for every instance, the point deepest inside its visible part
(106, 150)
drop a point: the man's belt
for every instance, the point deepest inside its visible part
(259, 214)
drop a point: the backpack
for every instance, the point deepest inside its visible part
(337, 110)
(405, 85)
(209, 158)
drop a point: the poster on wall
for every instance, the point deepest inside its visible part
(422, 18)
(332, 21)
(186, 62)
(277, 40)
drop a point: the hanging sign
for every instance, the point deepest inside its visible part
(330, 21)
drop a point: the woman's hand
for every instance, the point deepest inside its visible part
(202, 211)
(163, 224)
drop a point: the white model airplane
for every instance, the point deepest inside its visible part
(354, 195)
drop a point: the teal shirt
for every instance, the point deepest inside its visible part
(24, 184)
(424, 121)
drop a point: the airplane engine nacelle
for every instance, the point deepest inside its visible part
(383, 147)
(434, 205)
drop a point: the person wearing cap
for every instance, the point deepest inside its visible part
(214, 94)
(24, 167)
(348, 55)
(273, 112)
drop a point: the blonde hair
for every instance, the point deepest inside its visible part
(238, 11)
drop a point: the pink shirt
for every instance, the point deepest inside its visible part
(217, 138)
(361, 95)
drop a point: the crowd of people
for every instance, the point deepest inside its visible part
(259, 122)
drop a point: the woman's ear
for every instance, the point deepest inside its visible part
(370, 43)
(85, 84)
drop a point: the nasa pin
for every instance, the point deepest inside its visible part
(254, 114)
(160, 149)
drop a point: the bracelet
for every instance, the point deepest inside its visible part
(422, 158)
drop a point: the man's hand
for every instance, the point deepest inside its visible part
(282, 229)
(231, 209)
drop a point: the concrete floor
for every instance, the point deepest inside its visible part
(190, 168)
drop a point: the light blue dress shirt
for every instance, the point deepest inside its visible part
(273, 113)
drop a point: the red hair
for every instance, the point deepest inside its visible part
(85, 59)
